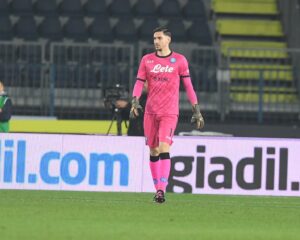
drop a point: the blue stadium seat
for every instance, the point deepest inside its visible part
(145, 8)
(6, 30)
(71, 8)
(51, 29)
(125, 30)
(75, 29)
(22, 7)
(194, 9)
(177, 28)
(146, 29)
(169, 8)
(4, 8)
(95, 8)
(101, 30)
(199, 32)
(46, 7)
(120, 8)
(26, 28)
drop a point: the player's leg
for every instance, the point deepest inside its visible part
(151, 134)
(166, 132)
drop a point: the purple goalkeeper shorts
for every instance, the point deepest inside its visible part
(159, 128)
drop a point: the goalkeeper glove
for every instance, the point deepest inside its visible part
(135, 108)
(197, 117)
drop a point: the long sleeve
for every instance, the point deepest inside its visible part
(140, 79)
(6, 112)
(189, 90)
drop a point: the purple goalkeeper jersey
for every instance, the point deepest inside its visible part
(163, 75)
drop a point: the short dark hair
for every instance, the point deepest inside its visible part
(163, 29)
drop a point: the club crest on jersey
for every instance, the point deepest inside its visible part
(173, 60)
(161, 69)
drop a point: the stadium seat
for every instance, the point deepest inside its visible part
(75, 29)
(249, 94)
(6, 30)
(26, 28)
(46, 8)
(120, 8)
(146, 29)
(125, 30)
(145, 8)
(253, 49)
(71, 8)
(245, 7)
(100, 29)
(4, 8)
(194, 9)
(94, 8)
(177, 28)
(51, 29)
(169, 8)
(199, 32)
(268, 72)
(22, 7)
(258, 28)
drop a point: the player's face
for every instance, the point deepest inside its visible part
(161, 41)
(1, 87)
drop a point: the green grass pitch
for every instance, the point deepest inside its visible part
(46, 215)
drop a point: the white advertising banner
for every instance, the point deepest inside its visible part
(200, 165)
(70, 162)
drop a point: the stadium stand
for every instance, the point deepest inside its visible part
(51, 29)
(253, 43)
(26, 28)
(45, 8)
(120, 8)
(84, 44)
(71, 8)
(169, 8)
(194, 9)
(95, 8)
(103, 33)
(145, 8)
(22, 7)
(6, 30)
(3, 7)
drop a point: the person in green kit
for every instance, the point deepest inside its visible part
(5, 109)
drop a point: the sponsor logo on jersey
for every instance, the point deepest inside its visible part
(173, 60)
(162, 69)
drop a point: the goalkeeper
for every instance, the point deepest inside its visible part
(163, 71)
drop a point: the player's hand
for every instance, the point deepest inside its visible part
(135, 108)
(197, 117)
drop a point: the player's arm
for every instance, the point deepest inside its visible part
(197, 117)
(137, 91)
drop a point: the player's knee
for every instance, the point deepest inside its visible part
(164, 147)
(154, 151)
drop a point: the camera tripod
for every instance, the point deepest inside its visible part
(118, 118)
